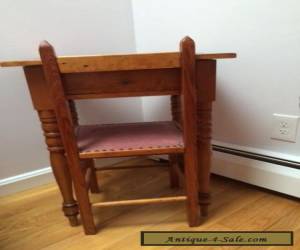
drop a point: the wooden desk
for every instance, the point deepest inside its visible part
(206, 82)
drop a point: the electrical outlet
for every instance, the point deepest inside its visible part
(285, 127)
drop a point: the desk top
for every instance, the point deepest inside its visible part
(68, 64)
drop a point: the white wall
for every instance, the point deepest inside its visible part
(73, 27)
(263, 80)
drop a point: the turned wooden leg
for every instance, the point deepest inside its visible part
(73, 111)
(204, 153)
(176, 116)
(174, 178)
(59, 164)
(176, 109)
(88, 162)
(93, 181)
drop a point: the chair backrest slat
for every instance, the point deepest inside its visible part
(189, 111)
(61, 106)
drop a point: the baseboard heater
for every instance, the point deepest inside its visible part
(255, 156)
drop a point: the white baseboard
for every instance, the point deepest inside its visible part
(274, 177)
(25, 181)
(270, 153)
(38, 177)
(270, 176)
(278, 178)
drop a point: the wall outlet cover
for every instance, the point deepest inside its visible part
(284, 127)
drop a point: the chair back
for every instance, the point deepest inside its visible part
(122, 76)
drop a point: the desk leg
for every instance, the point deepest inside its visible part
(204, 153)
(59, 164)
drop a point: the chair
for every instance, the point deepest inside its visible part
(129, 75)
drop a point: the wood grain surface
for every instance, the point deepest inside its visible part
(32, 219)
(68, 64)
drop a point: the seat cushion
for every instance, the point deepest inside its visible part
(121, 139)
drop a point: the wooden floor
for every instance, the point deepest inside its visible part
(33, 219)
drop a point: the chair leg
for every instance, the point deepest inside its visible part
(89, 163)
(191, 186)
(86, 214)
(85, 208)
(174, 179)
(204, 154)
(94, 183)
